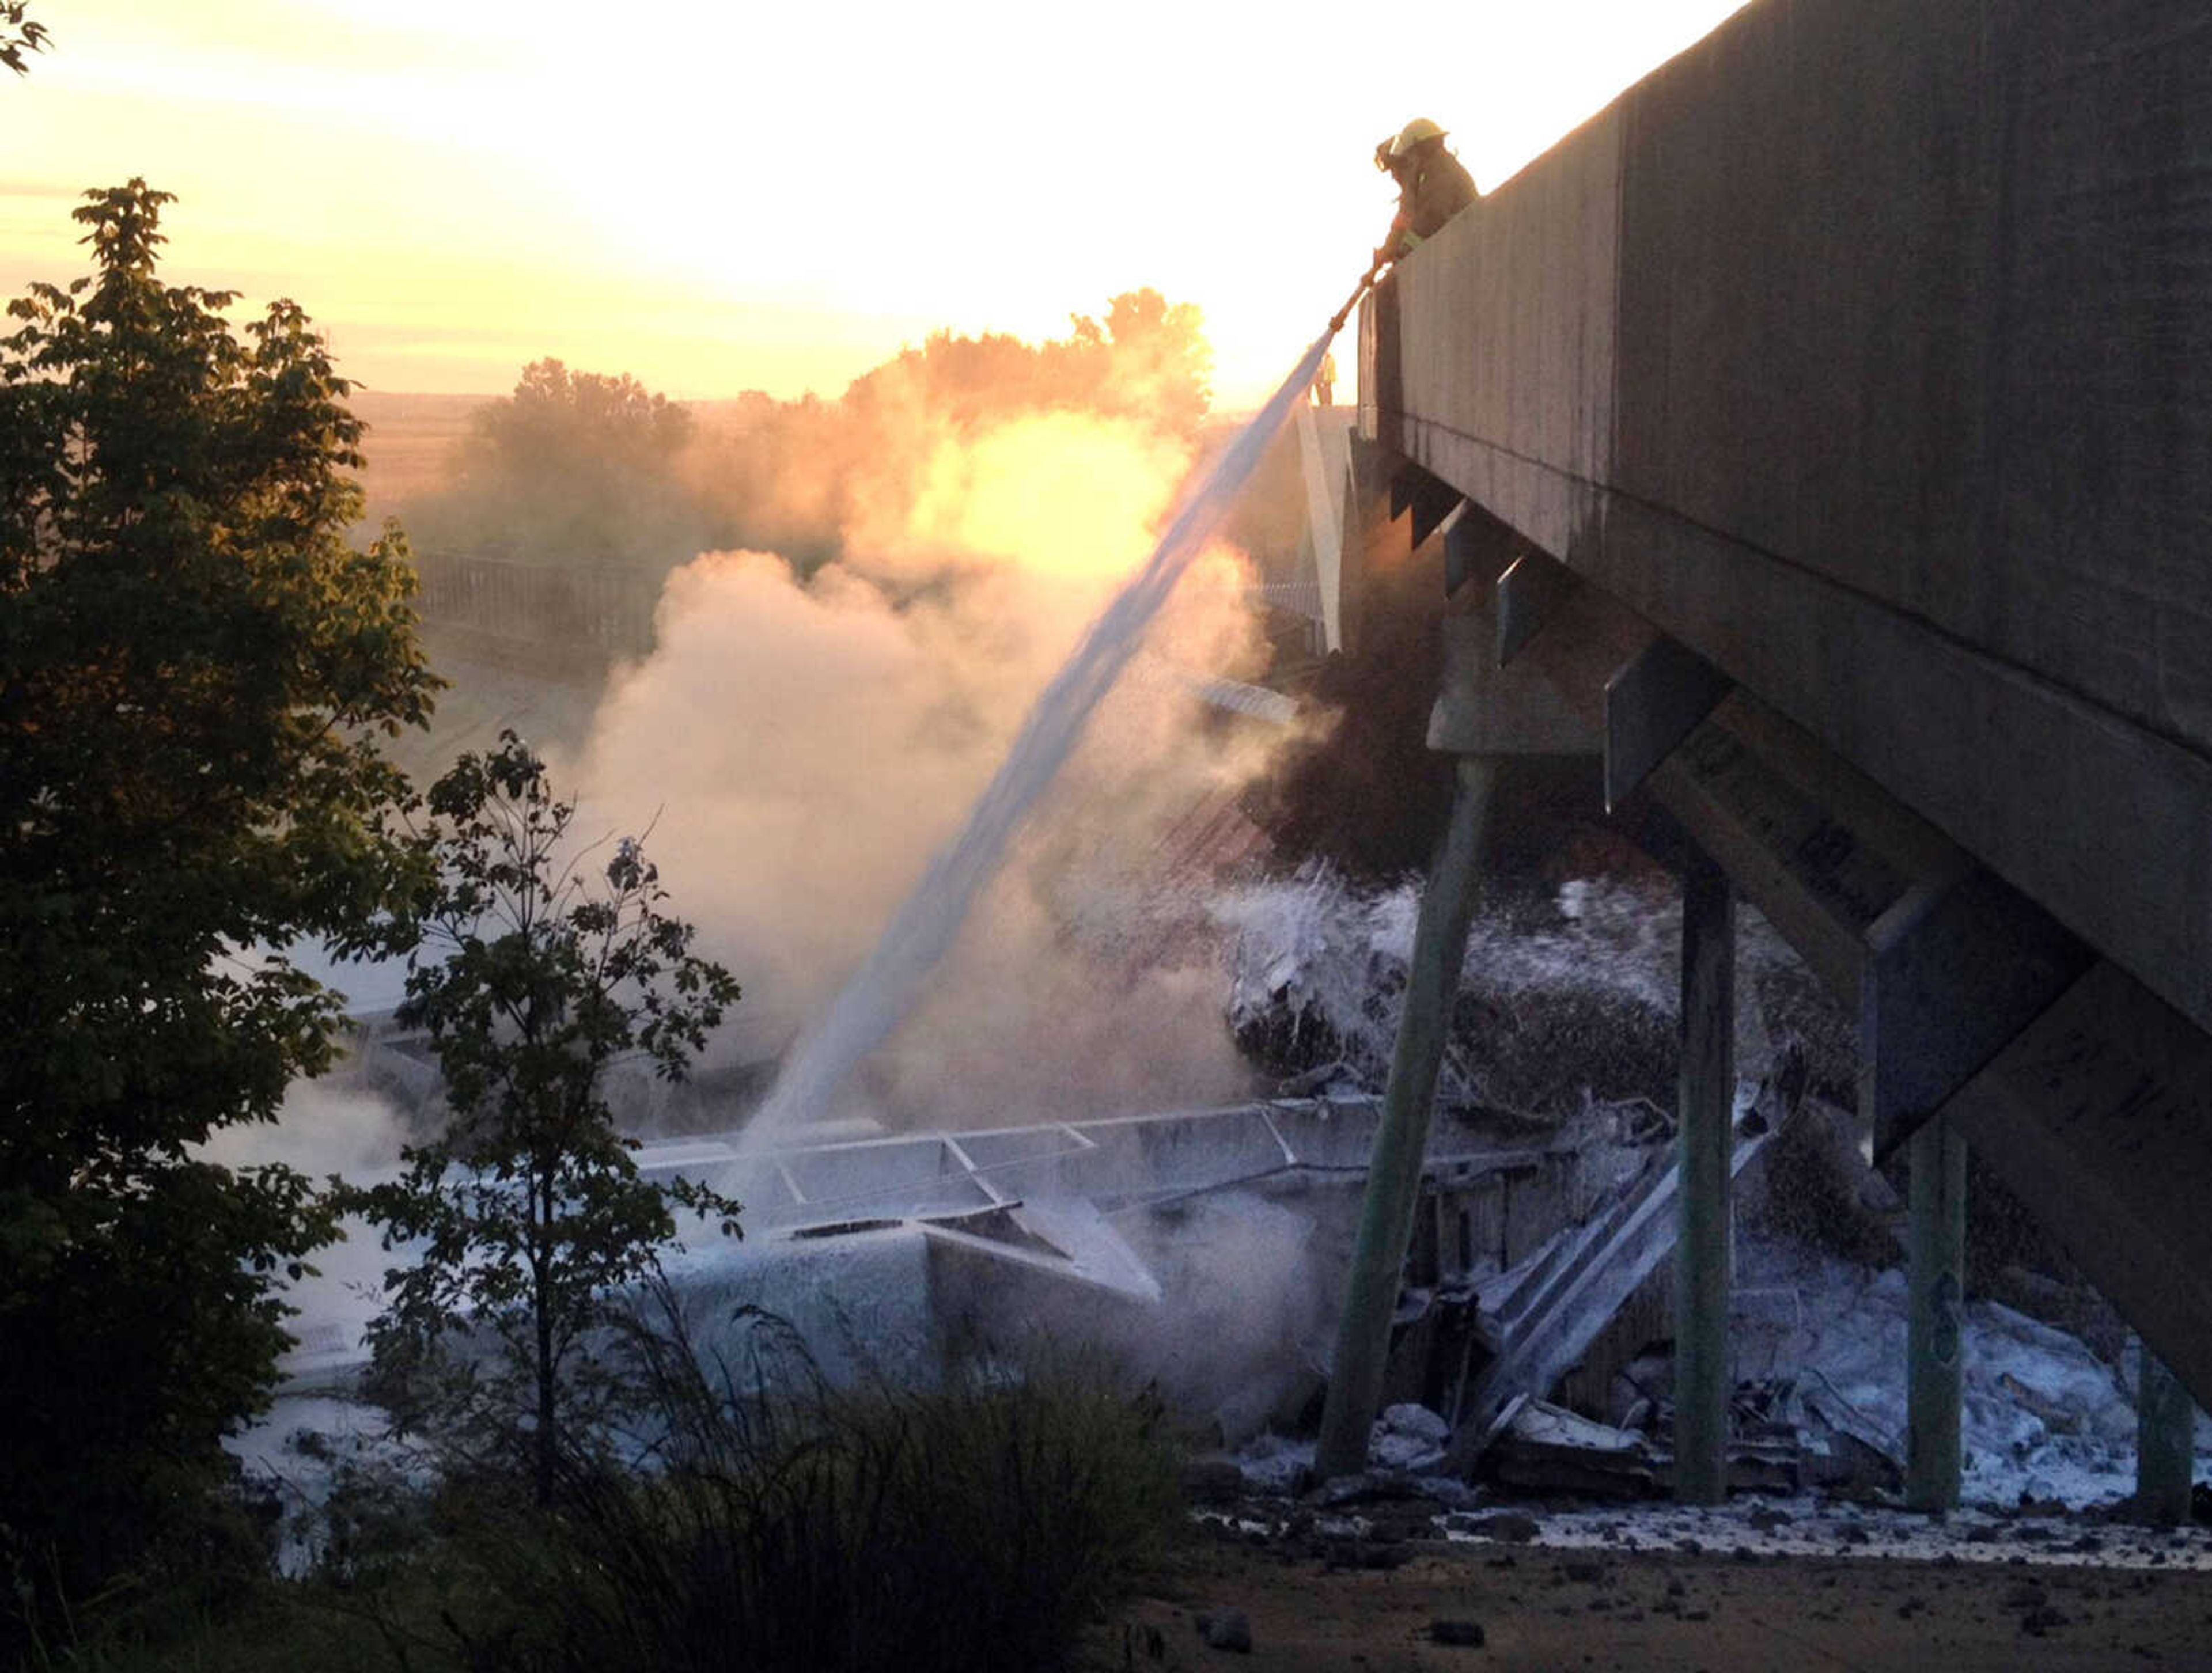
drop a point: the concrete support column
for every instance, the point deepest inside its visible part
(2165, 1444)
(1935, 1325)
(1706, 1114)
(1394, 1178)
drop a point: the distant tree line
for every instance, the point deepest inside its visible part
(572, 467)
(579, 467)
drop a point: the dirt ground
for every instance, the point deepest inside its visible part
(1548, 1610)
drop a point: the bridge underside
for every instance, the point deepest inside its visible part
(1833, 413)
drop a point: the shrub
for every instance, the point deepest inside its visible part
(777, 1525)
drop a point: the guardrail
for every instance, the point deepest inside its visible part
(605, 607)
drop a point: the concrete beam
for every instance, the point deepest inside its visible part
(1430, 499)
(1943, 962)
(1551, 701)
(1816, 848)
(1530, 593)
(1936, 1319)
(1481, 709)
(1325, 465)
(2095, 1116)
(1476, 546)
(1394, 1178)
(1706, 1109)
(1652, 703)
(1462, 550)
(1954, 970)
(1433, 511)
(2165, 1444)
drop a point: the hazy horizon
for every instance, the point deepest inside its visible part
(705, 199)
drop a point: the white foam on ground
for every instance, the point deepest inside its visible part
(1814, 1528)
(2043, 1417)
(2044, 1420)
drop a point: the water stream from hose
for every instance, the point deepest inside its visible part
(878, 994)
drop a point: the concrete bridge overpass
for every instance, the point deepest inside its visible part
(1822, 439)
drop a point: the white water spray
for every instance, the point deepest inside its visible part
(877, 996)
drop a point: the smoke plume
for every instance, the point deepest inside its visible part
(804, 743)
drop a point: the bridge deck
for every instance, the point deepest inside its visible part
(1866, 348)
(1865, 352)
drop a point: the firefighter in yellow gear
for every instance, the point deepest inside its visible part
(1433, 186)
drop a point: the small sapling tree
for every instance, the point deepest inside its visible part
(533, 980)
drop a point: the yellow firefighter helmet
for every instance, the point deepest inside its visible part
(1421, 128)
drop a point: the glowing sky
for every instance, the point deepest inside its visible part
(719, 197)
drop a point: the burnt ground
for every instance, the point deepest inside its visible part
(1551, 1610)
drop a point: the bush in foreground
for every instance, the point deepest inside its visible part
(772, 1526)
(974, 1526)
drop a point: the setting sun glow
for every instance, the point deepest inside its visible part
(722, 197)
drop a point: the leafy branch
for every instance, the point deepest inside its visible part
(19, 33)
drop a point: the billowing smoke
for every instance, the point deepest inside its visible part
(322, 1129)
(325, 1128)
(805, 744)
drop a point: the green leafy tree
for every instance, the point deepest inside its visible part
(195, 668)
(533, 982)
(20, 34)
(559, 421)
(574, 466)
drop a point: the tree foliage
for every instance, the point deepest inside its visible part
(572, 466)
(20, 34)
(530, 1209)
(195, 666)
(577, 468)
(789, 475)
(559, 421)
(1147, 361)
(1152, 359)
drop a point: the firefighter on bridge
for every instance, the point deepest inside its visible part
(1433, 186)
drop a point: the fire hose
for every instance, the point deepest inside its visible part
(1366, 283)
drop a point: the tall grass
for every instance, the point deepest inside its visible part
(748, 1519)
(778, 1525)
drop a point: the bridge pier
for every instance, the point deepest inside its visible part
(1394, 1178)
(1936, 1324)
(1638, 354)
(2165, 1443)
(1706, 1142)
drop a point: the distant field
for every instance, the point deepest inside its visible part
(411, 439)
